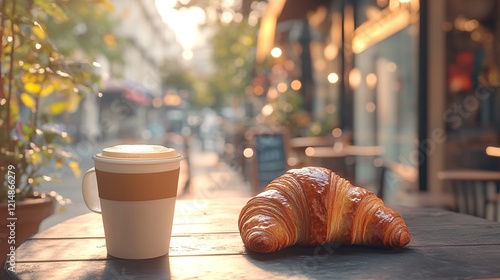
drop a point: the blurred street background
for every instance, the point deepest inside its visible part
(388, 93)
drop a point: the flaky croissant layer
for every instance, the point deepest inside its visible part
(312, 206)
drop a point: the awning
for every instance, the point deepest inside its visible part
(298, 9)
(279, 11)
(129, 90)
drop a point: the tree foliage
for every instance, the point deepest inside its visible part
(176, 76)
(38, 83)
(88, 27)
(233, 57)
(233, 51)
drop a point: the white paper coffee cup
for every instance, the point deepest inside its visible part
(137, 189)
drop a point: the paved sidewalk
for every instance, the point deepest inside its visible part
(209, 178)
(212, 178)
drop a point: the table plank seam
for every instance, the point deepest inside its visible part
(117, 259)
(454, 245)
(63, 260)
(242, 253)
(204, 233)
(101, 237)
(64, 238)
(497, 227)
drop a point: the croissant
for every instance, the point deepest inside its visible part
(313, 206)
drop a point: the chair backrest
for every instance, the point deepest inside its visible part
(477, 197)
(476, 192)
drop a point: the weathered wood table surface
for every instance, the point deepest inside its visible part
(206, 244)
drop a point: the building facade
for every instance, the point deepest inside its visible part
(418, 79)
(130, 91)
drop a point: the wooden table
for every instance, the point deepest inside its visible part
(314, 141)
(332, 158)
(469, 175)
(342, 159)
(206, 245)
(476, 191)
(298, 145)
(349, 150)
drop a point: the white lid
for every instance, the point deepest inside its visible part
(139, 151)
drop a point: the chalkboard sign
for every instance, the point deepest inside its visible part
(269, 157)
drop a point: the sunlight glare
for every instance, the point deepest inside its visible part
(227, 17)
(166, 4)
(184, 22)
(187, 54)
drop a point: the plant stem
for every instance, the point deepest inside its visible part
(3, 169)
(2, 26)
(11, 79)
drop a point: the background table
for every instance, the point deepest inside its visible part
(344, 159)
(206, 244)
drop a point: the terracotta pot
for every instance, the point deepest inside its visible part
(29, 214)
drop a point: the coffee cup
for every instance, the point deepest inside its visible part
(136, 193)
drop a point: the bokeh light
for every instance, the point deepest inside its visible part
(333, 78)
(276, 52)
(296, 85)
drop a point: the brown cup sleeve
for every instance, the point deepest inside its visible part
(137, 187)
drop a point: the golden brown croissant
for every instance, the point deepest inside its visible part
(313, 206)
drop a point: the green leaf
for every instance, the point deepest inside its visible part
(35, 157)
(75, 167)
(28, 101)
(32, 78)
(33, 87)
(57, 108)
(54, 10)
(47, 90)
(59, 163)
(38, 31)
(73, 103)
(106, 4)
(27, 130)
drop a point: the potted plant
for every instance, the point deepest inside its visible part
(38, 84)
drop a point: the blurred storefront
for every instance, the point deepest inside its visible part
(383, 81)
(472, 115)
(123, 107)
(419, 79)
